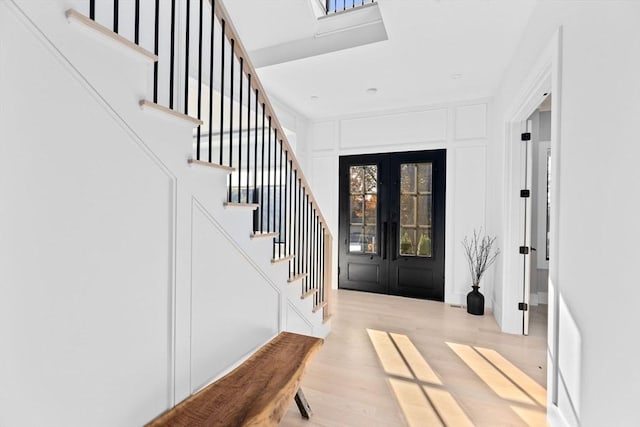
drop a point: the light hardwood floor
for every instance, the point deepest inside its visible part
(392, 361)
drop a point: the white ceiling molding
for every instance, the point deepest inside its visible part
(338, 31)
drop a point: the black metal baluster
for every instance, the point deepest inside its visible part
(294, 217)
(321, 256)
(289, 196)
(240, 133)
(222, 92)
(156, 37)
(268, 211)
(248, 134)
(231, 81)
(186, 59)
(199, 108)
(136, 23)
(316, 240)
(280, 207)
(262, 201)
(299, 223)
(318, 253)
(275, 148)
(309, 244)
(116, 15)
(255, 150)
(211, 52)
(290, 206)
(92, 9)
(314, 267)
(172, 52)
(305, 242)
(318, 265)
(303, 216)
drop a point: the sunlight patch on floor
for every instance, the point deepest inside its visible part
(420, 368)
(522, 380)
(415, 406)
(450, 411)
(391, 360)
(417, 388)
(527, 398)
(500, 384)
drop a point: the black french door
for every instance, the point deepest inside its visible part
(391, 232)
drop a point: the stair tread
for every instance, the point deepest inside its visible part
(309, 293)
(194, 162)
(318, 307)
(297, 277)
(145, 103)
(74, 15)
(282, 259)
(263, 235)
(252, 206)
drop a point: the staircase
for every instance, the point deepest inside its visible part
(158, 227)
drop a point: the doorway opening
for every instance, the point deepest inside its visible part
(537, 210)
(392, 223)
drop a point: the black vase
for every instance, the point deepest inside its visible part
(475, 302)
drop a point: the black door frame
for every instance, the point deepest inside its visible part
(390, 264)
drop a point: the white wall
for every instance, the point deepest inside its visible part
(125, 284)
(594, 248)
(461, 128)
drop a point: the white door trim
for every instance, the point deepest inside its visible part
(545, 77)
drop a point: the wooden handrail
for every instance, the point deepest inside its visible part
(231, 33)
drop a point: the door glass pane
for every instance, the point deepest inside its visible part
(416, 206)
(424, 177)
(370, 179)
(407, 241)
(356, 179)
(357, 209)
(407, 209)
(363, 209)
(356, 239)
(408, 178)
(370, 208)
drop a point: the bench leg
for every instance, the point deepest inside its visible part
(303, 405)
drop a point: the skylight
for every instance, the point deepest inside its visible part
(335, 6)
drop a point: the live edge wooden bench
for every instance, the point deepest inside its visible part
(256, 393)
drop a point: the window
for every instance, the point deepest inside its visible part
(363, 209)
(416, 207)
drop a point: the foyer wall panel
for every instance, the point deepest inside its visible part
(394, 129)
(234, 308)
(86, 253)
(468, 191)
(471, 121)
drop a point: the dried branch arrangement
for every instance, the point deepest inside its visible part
(479, 255)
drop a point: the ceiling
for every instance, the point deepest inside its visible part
(437, 51)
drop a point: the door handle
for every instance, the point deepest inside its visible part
(384, 240)
(394, 241)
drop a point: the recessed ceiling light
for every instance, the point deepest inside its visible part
(314, 97)
(372, 91)
(456, 76)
